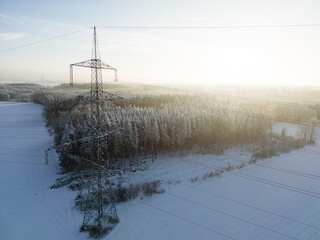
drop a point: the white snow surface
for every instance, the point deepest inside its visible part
(278, 198)
(28, 209)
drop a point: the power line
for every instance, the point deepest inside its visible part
(302, 174)
(299, 122)
(173, 103)
(230, 215)
(186, 220)
(84, 139)
(298, 150)
(287, 103)
(254, 224)
(21, 162)
(44, 40)
(293, 172)
(258, 179)
(25, 155)
(302, 150)
(249, 206)
(215, 27)
(224, 110)
(288, 171)
(7, 105)
(171, 27)
(21, 149)
(217, 109)
(53, 210)
(287, 187)
(273, 183)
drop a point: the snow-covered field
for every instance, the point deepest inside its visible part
(28, 210)
(278, 198)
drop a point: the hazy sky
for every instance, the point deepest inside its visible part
(197, 56)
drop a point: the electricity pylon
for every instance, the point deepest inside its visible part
(96, 96)
(94, 208)
(90, 63)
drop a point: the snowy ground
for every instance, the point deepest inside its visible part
(278, 198)
(28, 210)
(171, 170)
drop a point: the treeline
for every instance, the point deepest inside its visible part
(150, 125)
(19, 91)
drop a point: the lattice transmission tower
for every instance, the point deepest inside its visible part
(97, 98)
(99, 209)
(90, 63)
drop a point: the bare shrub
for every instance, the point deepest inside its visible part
(278, 145)
(150, 188)
(194, 179)
(210, 175)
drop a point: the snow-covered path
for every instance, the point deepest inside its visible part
(28, 209)
(278, 198)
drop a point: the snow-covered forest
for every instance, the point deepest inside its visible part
(19, 91)
(149, 125)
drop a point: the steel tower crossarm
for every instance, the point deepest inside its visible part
(89, 64)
